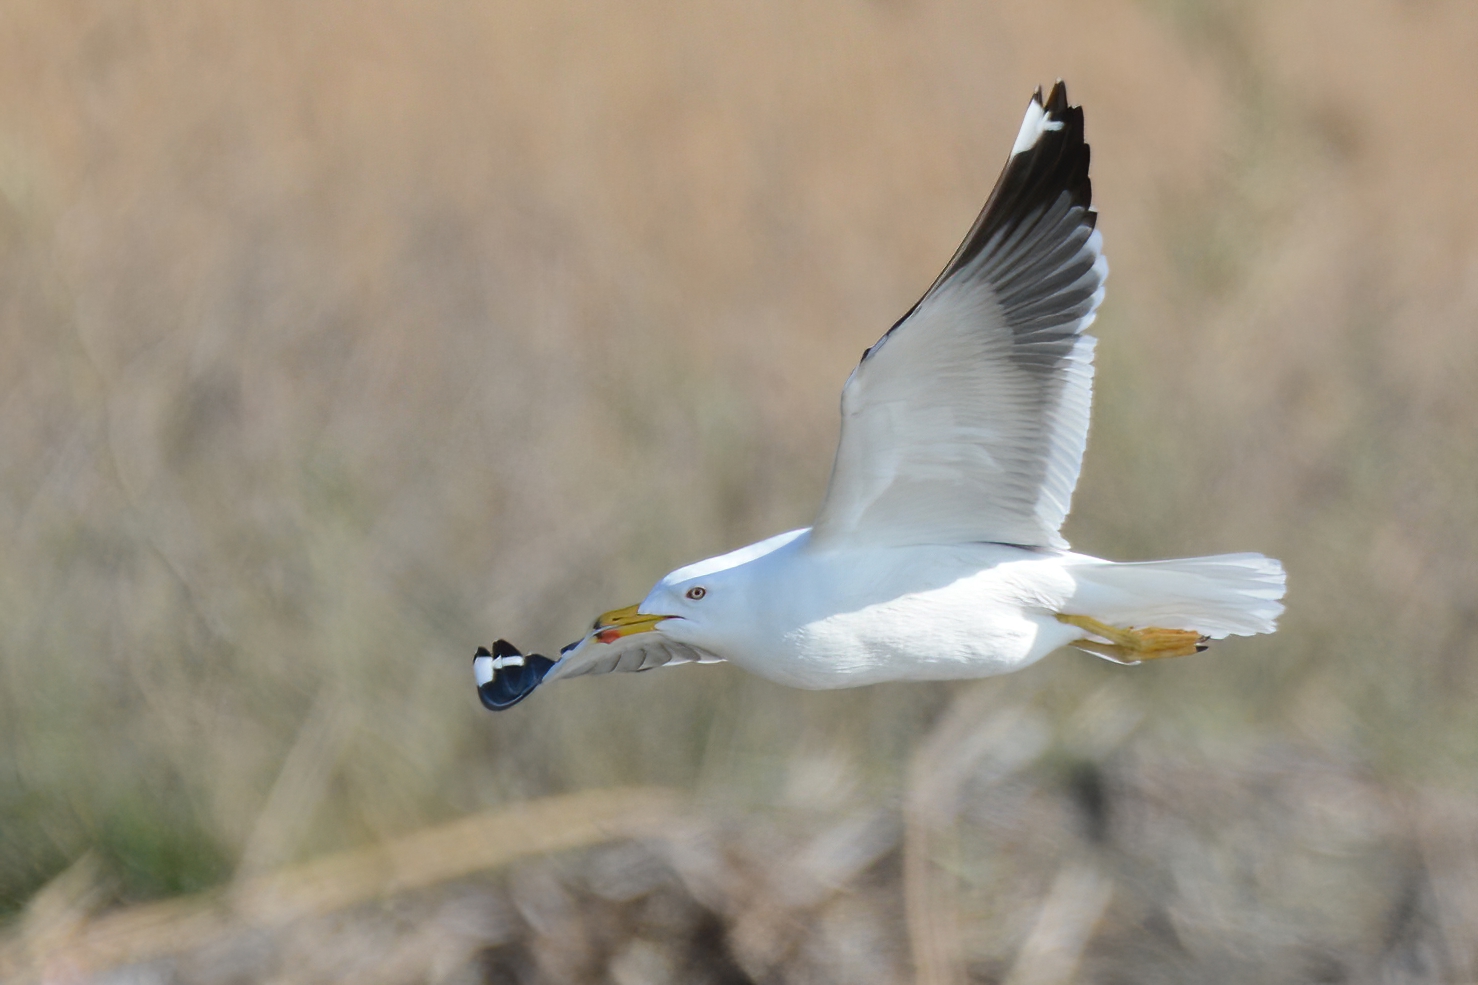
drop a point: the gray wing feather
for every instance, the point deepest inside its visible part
(629, 654)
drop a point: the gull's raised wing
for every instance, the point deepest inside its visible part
(967, 420)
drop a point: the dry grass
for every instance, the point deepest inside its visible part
(336, 339)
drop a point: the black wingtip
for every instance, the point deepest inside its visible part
(1056, 163)
(1056, 103)
(505, 676)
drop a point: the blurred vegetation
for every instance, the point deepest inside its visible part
(336, 340)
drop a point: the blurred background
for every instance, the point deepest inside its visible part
(337, 339)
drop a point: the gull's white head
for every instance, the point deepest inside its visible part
(709, 604)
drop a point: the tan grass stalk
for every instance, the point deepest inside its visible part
(417, 860)
(968, 732)
(1064, 926)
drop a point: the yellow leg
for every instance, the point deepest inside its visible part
(1109, 651)
(1133, 645)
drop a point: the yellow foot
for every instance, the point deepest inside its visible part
(1133, 645)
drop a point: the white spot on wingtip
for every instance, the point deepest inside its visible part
(486, 668)
(1032, 125)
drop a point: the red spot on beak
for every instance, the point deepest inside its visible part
(608, 635)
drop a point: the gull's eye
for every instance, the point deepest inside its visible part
(697, 592)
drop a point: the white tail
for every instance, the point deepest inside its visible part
(1224, 595)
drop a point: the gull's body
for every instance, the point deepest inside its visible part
(937, 553)
(827, 619)
(841, 618)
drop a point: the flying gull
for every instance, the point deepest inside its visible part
(937, 553)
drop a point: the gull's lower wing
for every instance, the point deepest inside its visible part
(967, 421)
(626, 654)
(505, 676)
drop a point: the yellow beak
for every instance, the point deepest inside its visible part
(613, 625)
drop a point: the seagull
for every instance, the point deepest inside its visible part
(937, 553)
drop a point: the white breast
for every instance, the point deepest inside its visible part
(918, 613)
